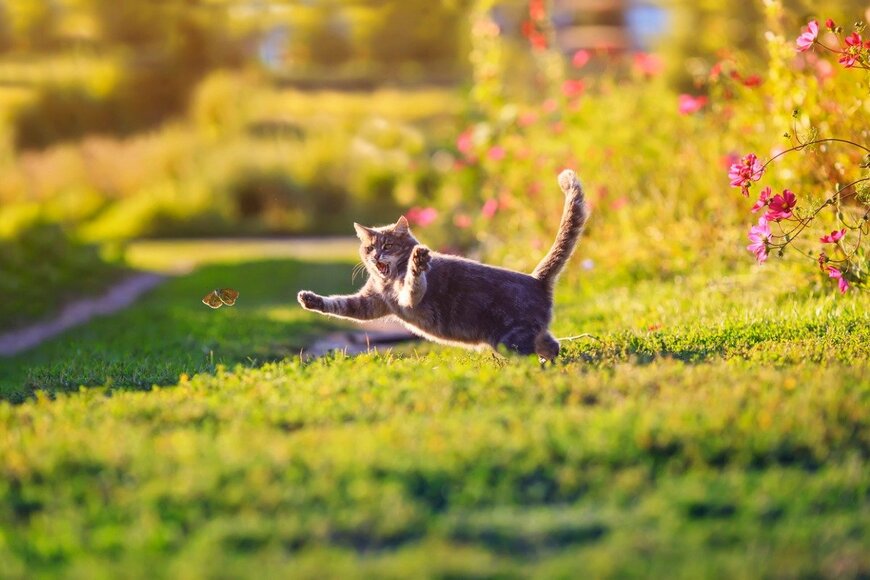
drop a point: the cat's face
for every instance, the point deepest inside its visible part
(385, 251)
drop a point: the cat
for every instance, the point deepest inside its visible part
(455, 300)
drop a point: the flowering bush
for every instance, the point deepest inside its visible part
(842, 256)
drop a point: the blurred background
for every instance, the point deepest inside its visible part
(232, 118)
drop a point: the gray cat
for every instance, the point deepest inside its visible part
(454, 300)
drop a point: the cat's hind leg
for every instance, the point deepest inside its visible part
(526, 341)
(520, 340)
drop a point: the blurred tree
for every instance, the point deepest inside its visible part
(162, 48)
(165, 48)
(316, 35)
(30, 23)
(418, 31)
(377, 37)
(6, 39)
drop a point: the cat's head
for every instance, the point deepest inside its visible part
(385, 250)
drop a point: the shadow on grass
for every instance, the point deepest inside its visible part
(170, 332)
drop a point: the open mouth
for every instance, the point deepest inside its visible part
(382, 268)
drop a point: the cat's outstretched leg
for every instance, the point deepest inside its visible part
(414, 287)
(355, 306)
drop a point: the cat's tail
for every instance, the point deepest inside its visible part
(573, 219)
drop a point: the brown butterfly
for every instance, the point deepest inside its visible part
(219, 297)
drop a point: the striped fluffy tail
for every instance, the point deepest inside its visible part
(573, 219)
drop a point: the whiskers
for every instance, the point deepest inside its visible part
(360, 268)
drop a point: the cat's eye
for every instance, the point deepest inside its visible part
(369, 249)
(388, 245)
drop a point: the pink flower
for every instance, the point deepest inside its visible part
(573, 88)
(537, 10)
(854, 47)
(527, 118)
(824, 70)
(496, 153)
(422, 216)
(760, 237)
(619, 203)
(779, 208)
(489, 208)
(648, 64)
(808, 37)
(853, 39)
(462, 221)
(536, 38)
(580, 58)
(689, 104)
(762, 200)
(744, 172)
(729, 159)
(549, 106)
(464, 142)
(848, 60)
(838, 276)
(833, 237)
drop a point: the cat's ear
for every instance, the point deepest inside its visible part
(363, 233)
(401, 226)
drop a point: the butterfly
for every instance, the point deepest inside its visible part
(219, 297)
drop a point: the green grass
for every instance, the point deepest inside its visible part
(712, 429)
(43, 268)
(170, 332)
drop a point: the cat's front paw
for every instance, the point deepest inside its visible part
(310, 300)
(420, 259)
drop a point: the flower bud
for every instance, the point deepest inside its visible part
(830, 24)
(823, 259)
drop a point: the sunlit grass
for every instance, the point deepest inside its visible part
(170, 332)
(173, 254)
(708, 427)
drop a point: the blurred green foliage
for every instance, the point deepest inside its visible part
(161, 50)
(250, 159)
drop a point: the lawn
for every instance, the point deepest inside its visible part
(716, 425)
(170, 332)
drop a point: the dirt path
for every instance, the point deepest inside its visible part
(117, 297)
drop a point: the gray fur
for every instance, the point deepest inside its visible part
(455, 300)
